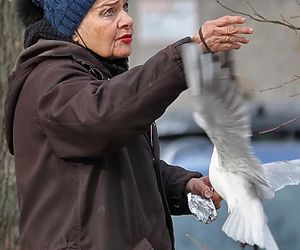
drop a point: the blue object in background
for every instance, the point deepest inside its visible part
(194, 152)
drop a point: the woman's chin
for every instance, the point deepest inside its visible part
(123, 54)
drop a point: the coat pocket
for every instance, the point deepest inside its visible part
(144, 244)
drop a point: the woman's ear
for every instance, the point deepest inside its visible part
(75, 37)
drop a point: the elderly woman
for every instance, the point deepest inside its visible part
(81, 128)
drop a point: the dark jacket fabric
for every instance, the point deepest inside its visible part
(89, 175)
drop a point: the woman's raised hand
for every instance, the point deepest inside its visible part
(223, 34)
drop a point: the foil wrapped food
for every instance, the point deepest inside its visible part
(203, 208)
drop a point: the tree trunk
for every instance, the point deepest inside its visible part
(10, 46)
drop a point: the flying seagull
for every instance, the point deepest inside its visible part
(234, 171)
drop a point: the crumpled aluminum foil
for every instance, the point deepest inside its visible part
(203, 208)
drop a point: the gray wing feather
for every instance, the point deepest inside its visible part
(219, 109)
(283, 173)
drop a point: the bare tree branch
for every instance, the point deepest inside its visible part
(294, 17)
(281, 85)
(260, 18)
(280, 126)
(286, 21)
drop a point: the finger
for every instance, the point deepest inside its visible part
(207, 193)
(217, 199)
(218, 205)
(225, 47)
(208, 190)
(228, 46)
(241, 39)
(233, 39)
(227, 20)
(206, 181)
(205, 189)
(232, 29)
(236, 46)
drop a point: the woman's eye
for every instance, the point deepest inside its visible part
(108, 12)
(126, 7)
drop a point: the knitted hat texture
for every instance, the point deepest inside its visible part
(65, 15)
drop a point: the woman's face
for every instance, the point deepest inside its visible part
(107, 29)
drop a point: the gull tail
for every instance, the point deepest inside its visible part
(247, 223)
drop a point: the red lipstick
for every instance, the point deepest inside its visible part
(126, 39)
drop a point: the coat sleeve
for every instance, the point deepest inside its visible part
(85, 117)
(175, 179)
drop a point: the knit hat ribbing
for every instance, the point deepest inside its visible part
(65, 15)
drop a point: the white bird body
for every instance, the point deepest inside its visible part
(223, 181)
(247, 221)
(235, 173)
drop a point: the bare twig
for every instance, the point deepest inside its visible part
(260, 18)
(293, 17)
(285, 21)
(281, 85)
(280, 126)
(196, 242)
(255, 12)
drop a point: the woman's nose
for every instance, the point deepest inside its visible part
(125, 20)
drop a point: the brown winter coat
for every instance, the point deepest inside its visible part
(87, 158)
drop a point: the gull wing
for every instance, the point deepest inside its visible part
(219, 110)
(283, 173)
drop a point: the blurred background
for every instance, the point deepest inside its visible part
(267, 71)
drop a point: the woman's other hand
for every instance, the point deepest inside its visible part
(203, 187)
(223, 34)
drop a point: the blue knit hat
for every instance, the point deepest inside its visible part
(65, 15)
